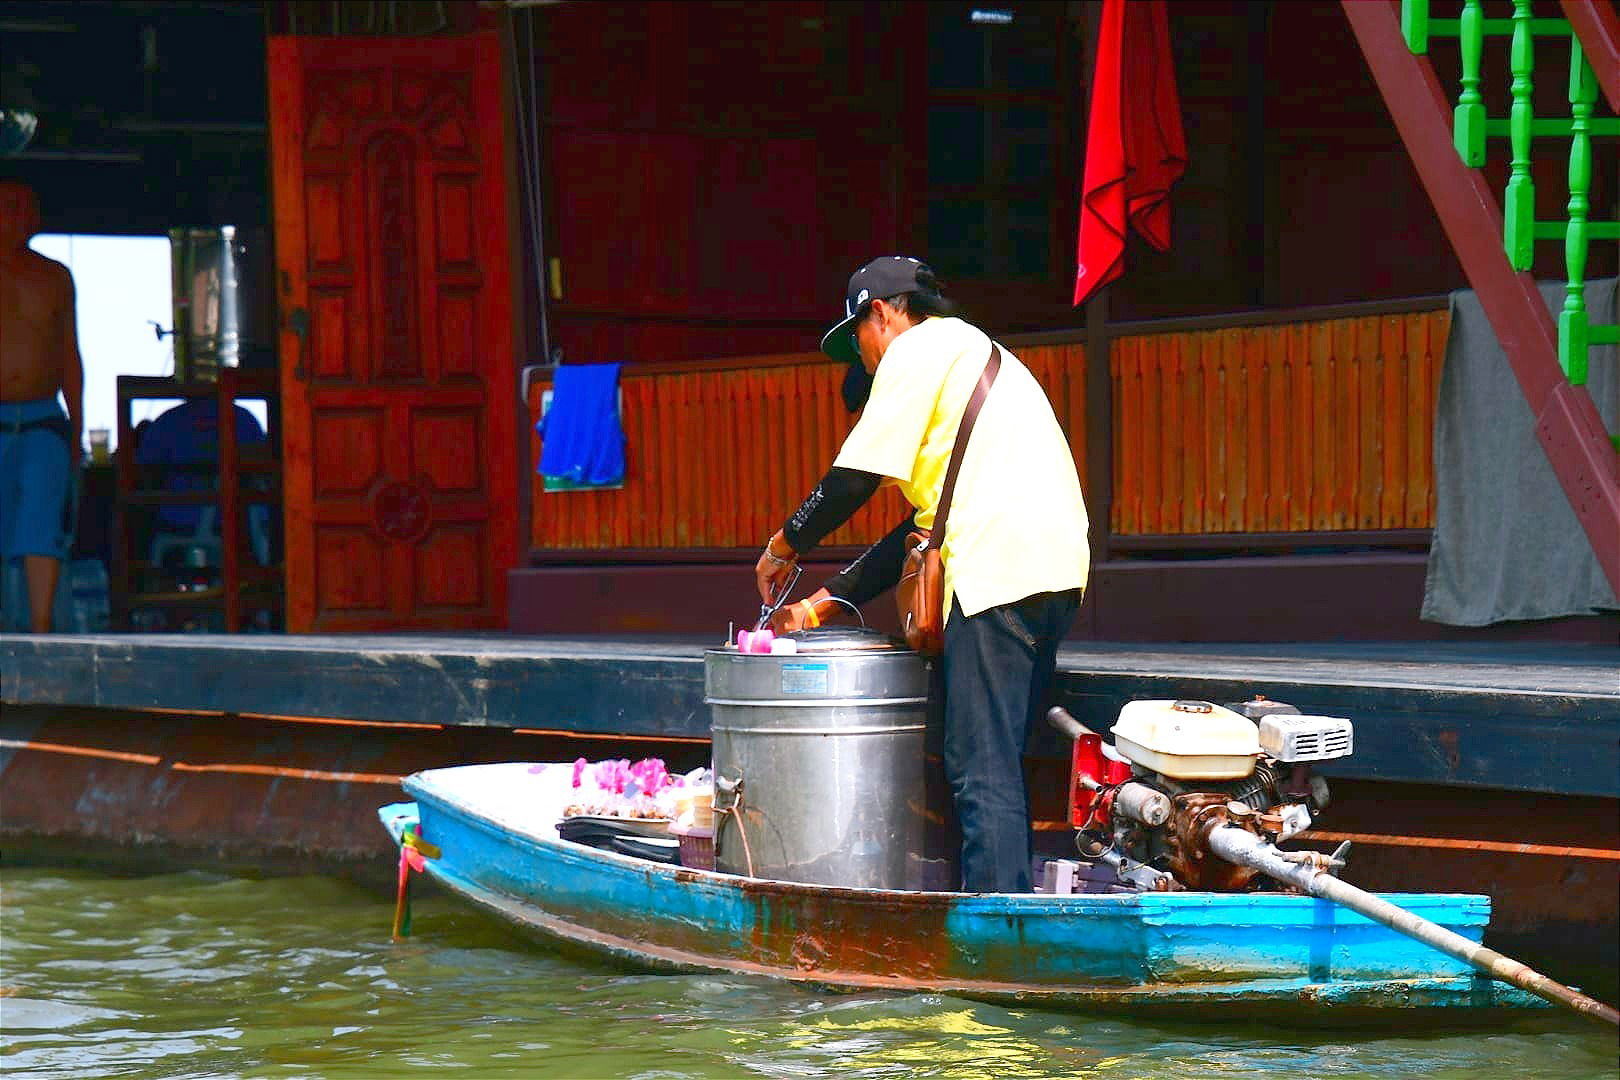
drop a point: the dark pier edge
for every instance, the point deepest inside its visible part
(271, 754)
(1308, 587)
(1525, 717)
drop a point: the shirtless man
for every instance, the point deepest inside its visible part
(39, 446)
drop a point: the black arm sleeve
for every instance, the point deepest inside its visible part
(833, 502)
(878, 567)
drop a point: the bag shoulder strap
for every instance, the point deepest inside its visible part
(975, 403)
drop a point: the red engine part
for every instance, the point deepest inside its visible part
(1089, 805)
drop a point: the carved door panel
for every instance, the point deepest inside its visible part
(392, 245)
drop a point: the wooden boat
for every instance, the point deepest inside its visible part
(495, 845)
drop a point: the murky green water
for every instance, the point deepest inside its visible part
(197, 975)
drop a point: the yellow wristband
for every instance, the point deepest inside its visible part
(811, 618)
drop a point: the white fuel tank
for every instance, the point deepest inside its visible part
(1187, 740)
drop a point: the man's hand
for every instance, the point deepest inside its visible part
(774, 568)
(795, 616)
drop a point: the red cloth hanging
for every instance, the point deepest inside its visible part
(1135, 148)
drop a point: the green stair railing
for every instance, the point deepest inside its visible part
(1471, 127)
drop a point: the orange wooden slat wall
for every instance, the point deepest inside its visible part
(719, 458)
(1301, 427)
(714, 459)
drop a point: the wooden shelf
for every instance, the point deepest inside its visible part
(242, 477)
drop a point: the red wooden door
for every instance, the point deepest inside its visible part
(398, 387)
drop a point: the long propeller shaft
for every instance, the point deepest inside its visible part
(1246, 849)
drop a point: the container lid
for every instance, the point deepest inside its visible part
(830, 639)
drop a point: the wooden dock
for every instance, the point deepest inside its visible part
(1515, 717)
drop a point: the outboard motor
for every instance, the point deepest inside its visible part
(1143, 805)
(1194, 795)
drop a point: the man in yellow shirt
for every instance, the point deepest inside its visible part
(1016, 557)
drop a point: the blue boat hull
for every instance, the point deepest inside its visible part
(1270, 953)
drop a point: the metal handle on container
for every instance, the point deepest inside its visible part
(734, 789)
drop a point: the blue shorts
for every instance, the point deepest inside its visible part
(36, 481)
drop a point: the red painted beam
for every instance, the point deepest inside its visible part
(1597, 25)
(1567, 422)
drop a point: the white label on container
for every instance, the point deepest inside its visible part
(804, 678)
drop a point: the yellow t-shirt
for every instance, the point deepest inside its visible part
(1018, 522)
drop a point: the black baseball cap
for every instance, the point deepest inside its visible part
(879, 279)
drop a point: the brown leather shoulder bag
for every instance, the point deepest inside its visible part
(920, 592)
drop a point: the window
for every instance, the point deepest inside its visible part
(123, 295)
(997, 122)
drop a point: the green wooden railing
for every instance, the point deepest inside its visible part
(1471, 128)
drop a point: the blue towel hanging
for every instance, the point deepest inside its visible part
(582, 433)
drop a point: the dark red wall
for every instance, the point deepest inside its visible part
(714, 171)
(708, 181)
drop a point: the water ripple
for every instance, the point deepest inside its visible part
(199, 975)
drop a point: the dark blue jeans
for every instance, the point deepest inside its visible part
(997, 670)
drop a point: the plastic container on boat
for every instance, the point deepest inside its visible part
(818, 756)
(696, 846)
(696, 805)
